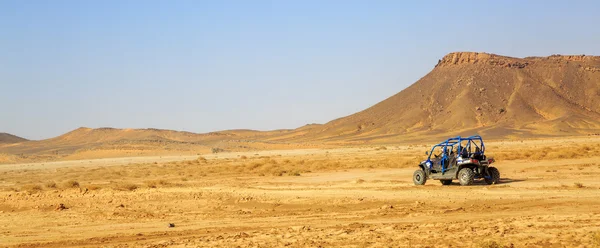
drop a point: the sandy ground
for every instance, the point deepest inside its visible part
(551, 202)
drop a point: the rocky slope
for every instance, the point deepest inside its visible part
(483, 93)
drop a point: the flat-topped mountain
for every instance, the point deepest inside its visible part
(493, 95)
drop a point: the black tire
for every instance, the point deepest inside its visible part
(446, 182)
(466, 176)
(494, 174)
(419, 177)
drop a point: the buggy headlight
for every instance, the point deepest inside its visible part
(428, 163)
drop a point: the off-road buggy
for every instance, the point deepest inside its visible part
(457, 158)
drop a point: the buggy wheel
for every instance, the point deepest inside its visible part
(446, 182)
(466, 176)
(494, 174)
(419, 177)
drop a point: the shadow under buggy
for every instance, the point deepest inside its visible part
(457, 158)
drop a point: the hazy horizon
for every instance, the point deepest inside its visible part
(263, 65)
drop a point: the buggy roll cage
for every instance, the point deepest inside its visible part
(464, 149)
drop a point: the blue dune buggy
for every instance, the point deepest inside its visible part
(457, 158)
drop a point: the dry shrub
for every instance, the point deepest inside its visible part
(126, 186)
(491, 244)
(156, 183)
(578, 185)
(408, 163)
(244, 157)
(50, 185)
(596, 239)
(271, 161)
(31, 188)
(538, 155)
(71, 184)
(94, 187)
(254, 165)
(202, 159)
(562, 154)
(217, 150)
(380, 148)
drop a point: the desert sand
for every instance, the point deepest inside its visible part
(363, 196)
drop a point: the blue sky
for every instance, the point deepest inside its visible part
(203, 66)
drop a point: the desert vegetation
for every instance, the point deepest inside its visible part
(567, 151)
(191, 172)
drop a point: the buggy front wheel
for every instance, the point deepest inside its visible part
(419, 177)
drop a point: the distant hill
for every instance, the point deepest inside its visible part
(112, 142)
(492, 95)
(6, 138)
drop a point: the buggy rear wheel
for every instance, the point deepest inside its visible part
(466, 176)
(419, 177)
(494, 176)
(446, 182)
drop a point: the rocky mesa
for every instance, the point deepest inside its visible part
(493, 95)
